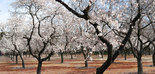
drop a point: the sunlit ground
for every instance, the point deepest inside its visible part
(75, 66)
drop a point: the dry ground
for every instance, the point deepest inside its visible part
(75, 66)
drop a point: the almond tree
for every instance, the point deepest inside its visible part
(13, 38)
(149, 32)
(68, 31)
(138, 41)
(42, 32)
(86, 42)
(111, 57)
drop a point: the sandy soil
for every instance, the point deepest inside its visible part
(75, 66)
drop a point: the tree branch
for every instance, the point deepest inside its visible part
(85, 11)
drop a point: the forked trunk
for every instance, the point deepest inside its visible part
(85, 16)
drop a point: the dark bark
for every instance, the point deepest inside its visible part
(20, 54)
(85, 56)
(125, 55)
(102, 56)
(16, 58)
(49, 59)
(13, 56)
(153, 55)
(23, 64)
(45, 43)
(86, 63)
(139, 65)
(84, 16)
(153, 58)
(102, 53)
(49, 55)
(62, 57)
(71, 55)
(108, 62)
(111, 57)
(149, 51)
(39, 67)
(104, 66)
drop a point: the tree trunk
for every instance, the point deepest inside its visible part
(29, 55)
(101, 55)
(86, 63)
(16, 58)
(49, 59)
(101, 52)
(26, 54)
(62, 59)
(71, 55)
(153, 58)
(149, 51)
(125, 54)
(13, 58)
(104, 66)
(140, 66)
(108, 62)
(85, 56)
(23, 64)
(39, 67)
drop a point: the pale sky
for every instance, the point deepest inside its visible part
(4, 9)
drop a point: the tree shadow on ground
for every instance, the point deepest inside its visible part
(86, 67)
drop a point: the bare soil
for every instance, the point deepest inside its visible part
(75, 66)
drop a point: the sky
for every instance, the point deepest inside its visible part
(4, 10)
